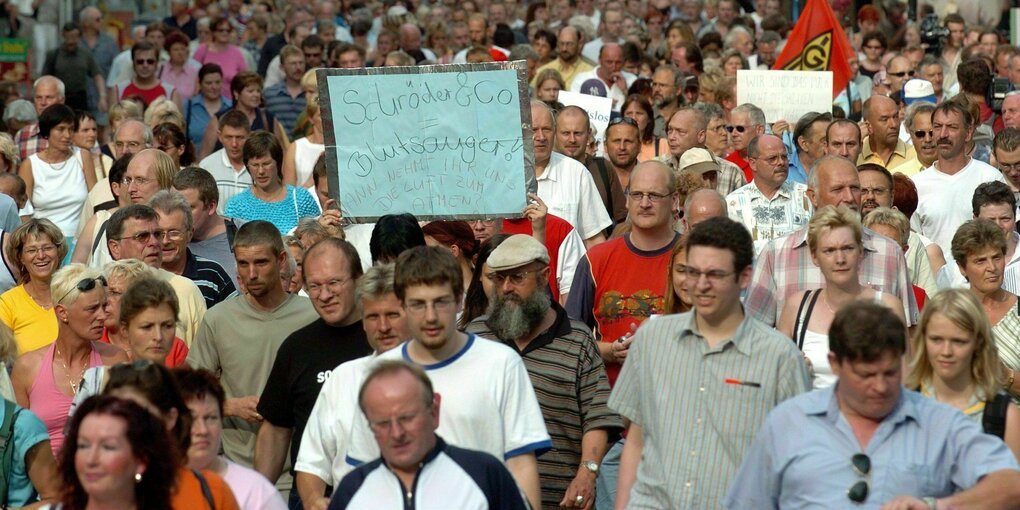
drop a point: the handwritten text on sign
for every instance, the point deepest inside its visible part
(786, 95)
(439, 142)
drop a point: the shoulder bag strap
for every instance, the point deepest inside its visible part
(99, 236)
(206, 491)
(803, 321)
(604, 173)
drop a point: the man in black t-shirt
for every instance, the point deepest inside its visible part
(307, 356)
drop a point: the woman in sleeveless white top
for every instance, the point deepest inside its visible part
(299, 161)
(58, 178)
(835, 238)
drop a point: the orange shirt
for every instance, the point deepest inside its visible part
(188, 495)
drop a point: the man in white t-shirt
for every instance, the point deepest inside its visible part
(488, 402)
(944, 189)
(608, 79)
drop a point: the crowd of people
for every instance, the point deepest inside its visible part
(707, 309)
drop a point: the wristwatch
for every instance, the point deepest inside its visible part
(591, 466)
(931, 502)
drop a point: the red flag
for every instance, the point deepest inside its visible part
(818, 43)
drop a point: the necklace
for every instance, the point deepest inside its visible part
(825, 301)
(67, 372)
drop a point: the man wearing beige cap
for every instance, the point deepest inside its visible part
(564, 365)
(772, 205)
(687, 129)
(701, 162)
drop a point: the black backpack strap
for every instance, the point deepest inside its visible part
(99, 235)
(7, 449)
(231, 232)
(993, 419)
(804, 317)
(206, 491)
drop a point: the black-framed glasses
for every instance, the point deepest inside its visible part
(515, 278)
(901, 74)
(85, 285)
(739, 129)
(145, 61)
(920, 133)
(858, 492)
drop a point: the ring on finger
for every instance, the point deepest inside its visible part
(579, 500)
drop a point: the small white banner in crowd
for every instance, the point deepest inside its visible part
(599, 110)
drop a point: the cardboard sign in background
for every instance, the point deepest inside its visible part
(599, 109)
(785, 95)
(439, 142)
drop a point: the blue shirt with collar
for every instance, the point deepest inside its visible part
(922, 448)
(797, 172)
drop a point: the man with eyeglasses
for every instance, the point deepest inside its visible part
(133, 233)
(564, 364)
(917, 122)
(784, 266)
(746, 122)
(330, 270)
(1006, 147)
(883, 145)
(697, 386)
(240, 337)
(176, 222)
(771, 206)
(326, 438)
(619, 284)
(866, 441)
(489, 402)
(898, 71)
(145, 83)
(416, 466)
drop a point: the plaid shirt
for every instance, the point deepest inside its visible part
(784, 268)
(28, 140)
(729, 178)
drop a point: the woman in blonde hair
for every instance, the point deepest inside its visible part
(299, 160)
(163, 110)
(8, 154)
(955, 362)
(834, 238)
(35, 250)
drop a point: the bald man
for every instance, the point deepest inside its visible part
(883, 146)
(702, 205)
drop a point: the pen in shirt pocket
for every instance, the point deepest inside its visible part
(738, 382)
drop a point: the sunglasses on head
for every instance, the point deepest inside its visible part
(85, 285)
(623, 120)
(858, 492)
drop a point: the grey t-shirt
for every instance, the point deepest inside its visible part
(217, 248)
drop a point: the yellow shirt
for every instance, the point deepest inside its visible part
(33, 325)
(901, 154)
(191, 303)
(910, 168)
(567, 72)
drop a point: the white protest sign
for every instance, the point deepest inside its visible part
(786, 95)
(599, 110)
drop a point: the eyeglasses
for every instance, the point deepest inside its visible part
(654, 198)
(173, 234)
(121, 145)
(901, 74)
(441, 305)
(334, 286)
(145, 235)
(775, 160)
(920, 133)
(85, 285)
(145, 61)
(623, 120)
(515, 278)
(713, 276)
(403, 421)
(858, 492)
(49, 249)
(1009, 167)
(739, 129)
(141, 181)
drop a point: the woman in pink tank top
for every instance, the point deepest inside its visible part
(46, 379)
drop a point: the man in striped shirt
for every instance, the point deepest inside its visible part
(696, 386)
(563, 362)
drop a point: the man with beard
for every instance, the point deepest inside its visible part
(883, 146)
(489, 402)
(917, 120)
(784, 267)
(619, 284)
(666, 85)
(564, 364)
(771, 205)
(877, 191)
(573, 133)
(326, 436)
(955, 174)
(623, 143)
(240, 337)
(568, 61)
